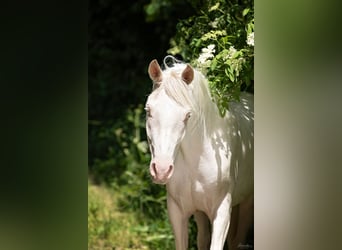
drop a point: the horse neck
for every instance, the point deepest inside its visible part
(194, 137)
(198, 134)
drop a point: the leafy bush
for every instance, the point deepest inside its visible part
(219, 40)
(125, 158)
(117, 144)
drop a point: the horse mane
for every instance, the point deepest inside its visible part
(195, 96)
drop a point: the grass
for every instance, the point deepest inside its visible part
(111, 227)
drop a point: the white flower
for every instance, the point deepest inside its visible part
(210, 49)
(207, 53)
(203, 58)
(250, 39)
(231, 53)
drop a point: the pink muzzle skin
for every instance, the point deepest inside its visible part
(161, 170)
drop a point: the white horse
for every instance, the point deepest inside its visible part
(206, 161)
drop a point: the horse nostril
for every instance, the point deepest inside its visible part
(153, 169)
(170, 169)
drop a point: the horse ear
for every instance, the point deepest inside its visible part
(188, 74)
(154, 71)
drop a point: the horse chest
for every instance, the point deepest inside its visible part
(200, 193)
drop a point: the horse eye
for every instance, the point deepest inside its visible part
(187, 116)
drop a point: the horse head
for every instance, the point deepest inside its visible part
(166, 121)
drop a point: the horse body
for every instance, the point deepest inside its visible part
(206, 161)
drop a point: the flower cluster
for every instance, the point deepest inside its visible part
(206, 54)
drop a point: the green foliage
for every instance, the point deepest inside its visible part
(219, 40)
(123, 145)
(120, 143)
(158, 10)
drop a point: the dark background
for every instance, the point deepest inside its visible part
(123, 39)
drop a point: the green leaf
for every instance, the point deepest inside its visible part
(226, 71)
(213, 64)
(215, 7)
(245, 12)
(231, 78)
(198, 43)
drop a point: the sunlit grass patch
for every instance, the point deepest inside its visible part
(109, 228)
(112, 226)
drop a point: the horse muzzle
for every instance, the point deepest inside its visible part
(161, 170)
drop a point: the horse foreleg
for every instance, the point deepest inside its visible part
(179, 222)
(220, 223)
(245, 220)
(203, 230)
